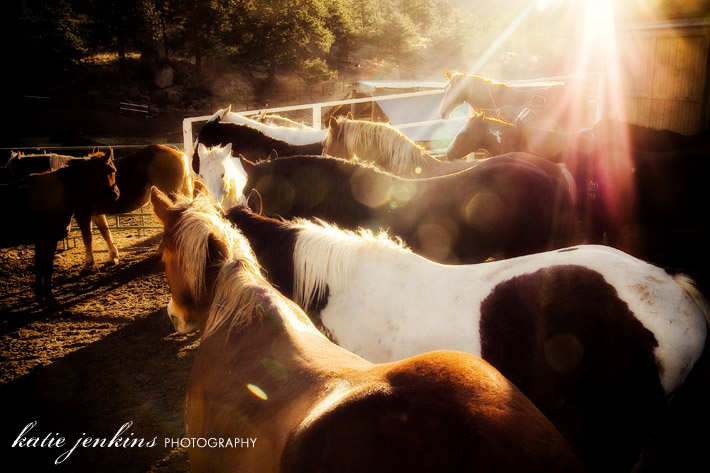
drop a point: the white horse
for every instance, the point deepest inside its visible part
(294, 136)
(598, 339)
(222, 174)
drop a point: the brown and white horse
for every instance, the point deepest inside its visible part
(264, 373)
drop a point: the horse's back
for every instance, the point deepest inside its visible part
(168, 169)
(444, 411)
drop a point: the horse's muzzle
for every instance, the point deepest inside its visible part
(114, 193)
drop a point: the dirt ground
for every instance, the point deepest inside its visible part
(108, 357)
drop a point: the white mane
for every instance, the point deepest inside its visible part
(324, 252)
(294, 136)
(386, 146)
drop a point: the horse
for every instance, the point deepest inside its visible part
(154, 165)
(272, 119)
(305, 404)
(578, 151)
(548, 102)
(497, 209)
(38, 209)
(21, 165)
(495, 136)
(249, 142)
(385, 146)
(292, 135)
(219, 174)
(482, 93)
(647, 139)
(549, 321)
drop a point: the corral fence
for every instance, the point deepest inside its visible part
(593, 90)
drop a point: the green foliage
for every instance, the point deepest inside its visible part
(40, 33)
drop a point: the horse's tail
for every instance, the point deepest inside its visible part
(571, 184)
(188, 183)
(689, 287)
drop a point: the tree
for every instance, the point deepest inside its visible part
(39, 32)
(276, 35)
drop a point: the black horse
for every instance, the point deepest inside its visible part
(500, 208)
(38, 209)
(251, 143)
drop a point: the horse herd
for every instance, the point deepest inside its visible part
(366, 306)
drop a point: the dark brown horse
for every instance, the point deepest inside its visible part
(303, 404)
(501, 208)
(38, 209)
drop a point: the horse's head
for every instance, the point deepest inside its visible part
(454, 94)
(197, 246)
(480, 133)
(103, 176)
(222, 174)
(334, 141)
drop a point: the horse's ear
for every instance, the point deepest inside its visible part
(247, 165)
(201, 150)
(350, 116)
(217, 250)
(199, 188)
(225, 114)
(161, 204)
(228, 149)
(273, 155)
(447, 74)
(332, 122)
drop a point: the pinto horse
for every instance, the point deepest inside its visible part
(385, 146)
(154, 165)
(249, 142)
(38, 209)
(497, 209)
(264, 371)
(549, 322)
(221, 174)
(294, 135)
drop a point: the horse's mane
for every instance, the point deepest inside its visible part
(239, 280)
(393, 150)
(478, 77)
(480, 114)
(324, 252)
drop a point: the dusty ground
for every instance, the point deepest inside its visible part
(109, 356)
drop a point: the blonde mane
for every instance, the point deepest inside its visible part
(239, 281)
(325, 253)
(393, 151)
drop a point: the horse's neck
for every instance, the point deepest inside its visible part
(273, 244)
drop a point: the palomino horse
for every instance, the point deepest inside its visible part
(154, 165)
(38, 209)
(499, 208)
(385, 146)
(265, 373)
(553, 323)
(249, 142)
(485, 94)
(219, 173)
